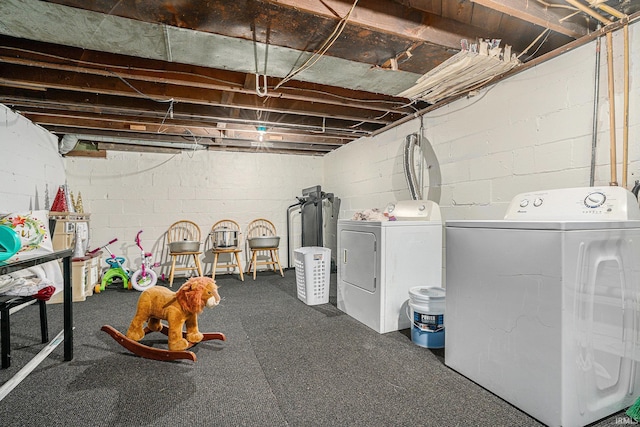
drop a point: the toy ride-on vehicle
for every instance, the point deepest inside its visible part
(116, 270)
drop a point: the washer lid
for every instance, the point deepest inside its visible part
(545, 225)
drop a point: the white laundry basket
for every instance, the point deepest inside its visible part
(313, 272)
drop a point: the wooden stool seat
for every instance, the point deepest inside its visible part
(197, 267)
(231, 226)
(237, 263)
(262, 228)
(273, 260)
(180, 231)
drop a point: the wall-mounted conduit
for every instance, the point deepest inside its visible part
(594, 124)
(612, 121)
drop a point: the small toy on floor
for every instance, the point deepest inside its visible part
(178, 309)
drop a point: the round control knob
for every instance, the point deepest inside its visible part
(422, 207)
(524, 203)
(537, 202)
(595, 200)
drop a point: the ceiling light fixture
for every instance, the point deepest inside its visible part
(261, 131)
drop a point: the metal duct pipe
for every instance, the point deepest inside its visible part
(409, 166)
(119, 140)
(422, 156)
(67, 143)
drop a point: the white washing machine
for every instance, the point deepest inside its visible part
(379, 261)
(543, 308)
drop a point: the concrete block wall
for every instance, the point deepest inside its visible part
(368, 173)
(31, 170)
(529, 132)
(128, 192)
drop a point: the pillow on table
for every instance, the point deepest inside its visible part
(32, 227)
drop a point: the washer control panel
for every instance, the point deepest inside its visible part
(575, 204)
(595, 200)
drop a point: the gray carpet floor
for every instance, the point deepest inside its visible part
(284, 364)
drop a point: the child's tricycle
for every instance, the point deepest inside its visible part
(115, 271)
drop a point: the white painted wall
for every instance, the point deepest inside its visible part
(529, 132)
(31, 170)
(128, 192)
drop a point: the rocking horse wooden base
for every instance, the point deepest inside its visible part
(158, 353)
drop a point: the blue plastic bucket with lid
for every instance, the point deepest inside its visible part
(426, 312)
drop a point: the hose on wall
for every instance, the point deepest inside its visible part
(419, 145)
(410, 144)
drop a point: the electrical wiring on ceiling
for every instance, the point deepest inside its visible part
(107, 69)
(122, 67)
(545, 31)
(323, 49)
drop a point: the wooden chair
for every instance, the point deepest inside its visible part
(178, 232)
(232, 251)
(262, 227)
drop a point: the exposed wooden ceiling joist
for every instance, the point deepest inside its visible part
(190, 72)
(546, 15)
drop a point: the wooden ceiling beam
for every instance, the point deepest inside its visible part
(55, 57)
(175, 125)
(167, 140)
(89, 125)
(163, 93)
(392, 18)
(538, 14)
(87, 105)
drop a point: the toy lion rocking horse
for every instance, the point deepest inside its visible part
(178, 309)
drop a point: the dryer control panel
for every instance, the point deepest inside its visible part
(575, 204)
(414, 210)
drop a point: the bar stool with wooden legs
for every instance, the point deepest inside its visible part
(263, 244)
(184, 242)
(225, 240)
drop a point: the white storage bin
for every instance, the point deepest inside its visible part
(313, 272)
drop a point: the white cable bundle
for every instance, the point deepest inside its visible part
(461, 72)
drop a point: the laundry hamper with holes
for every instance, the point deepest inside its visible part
(313, 272)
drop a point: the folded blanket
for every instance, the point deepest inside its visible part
(27, 286)
(370, 215)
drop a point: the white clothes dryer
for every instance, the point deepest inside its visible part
(379, 261)
(543, 307)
